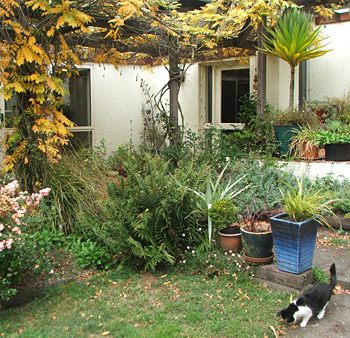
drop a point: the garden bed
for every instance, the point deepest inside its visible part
(37, 286)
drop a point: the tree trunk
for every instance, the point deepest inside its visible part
(291, 88)
(174, 78)
(261, 95)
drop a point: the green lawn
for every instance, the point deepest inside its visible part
(169, 304)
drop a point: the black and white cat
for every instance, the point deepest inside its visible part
(312, 302)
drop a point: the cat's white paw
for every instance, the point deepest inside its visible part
(320, 315)
(303, 324)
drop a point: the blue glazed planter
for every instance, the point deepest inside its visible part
(294, 243)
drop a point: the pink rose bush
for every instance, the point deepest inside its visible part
(14, 204)
(17, 249)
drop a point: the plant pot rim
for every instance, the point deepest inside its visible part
(243, 228)
(336, 143)
(222, 232)
(259, 260)
(285, 218)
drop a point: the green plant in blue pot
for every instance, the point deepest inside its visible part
(294, 231)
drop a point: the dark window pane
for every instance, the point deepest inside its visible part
(234, 85)
(81, 139)
(77, 106)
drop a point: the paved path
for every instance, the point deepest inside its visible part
(336, 322)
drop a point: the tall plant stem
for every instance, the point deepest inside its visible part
(291, 88)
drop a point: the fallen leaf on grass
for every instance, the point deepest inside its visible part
(274, 331)
(114, 283)
(106, 333)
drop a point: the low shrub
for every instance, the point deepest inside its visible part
(89, 255)
(146, 219)
(340, 190)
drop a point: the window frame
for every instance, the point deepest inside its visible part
(91, 127)
(214, 110)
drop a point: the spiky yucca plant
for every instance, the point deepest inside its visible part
(294, 40)
(303, 203)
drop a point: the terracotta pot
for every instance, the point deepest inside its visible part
(310, 152)
(230, 238)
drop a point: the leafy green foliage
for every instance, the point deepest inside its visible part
(89, 254)
(294, 40)
(223, 213)
(216, 190)
(334, 132)
(339, 190)
(301, 204)
(29, 256)
(147, 220)
(320, 276)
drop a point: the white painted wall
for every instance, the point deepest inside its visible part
(117, 101)
(330, 73)
(278, 82)
(339, 170)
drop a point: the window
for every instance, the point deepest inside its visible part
(234, 85)
(77, 107)
(224, 88)
(9, 108)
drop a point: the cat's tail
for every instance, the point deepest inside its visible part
(333, 275)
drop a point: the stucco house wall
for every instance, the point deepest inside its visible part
(330, 74)
(117, 100)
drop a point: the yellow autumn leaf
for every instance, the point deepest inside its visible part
(31, 40)
(51, 32)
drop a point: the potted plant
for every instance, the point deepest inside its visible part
(256, 234)
(304, 142)
(215, 191)
(294, 40)
(287, 123)
(223, 215)
(335, 136)
(294, 231)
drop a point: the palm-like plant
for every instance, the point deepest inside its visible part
(294, 40)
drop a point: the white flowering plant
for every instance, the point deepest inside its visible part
(16, 207)
(214, 263)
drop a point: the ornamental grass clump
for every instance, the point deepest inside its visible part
(303, 203)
